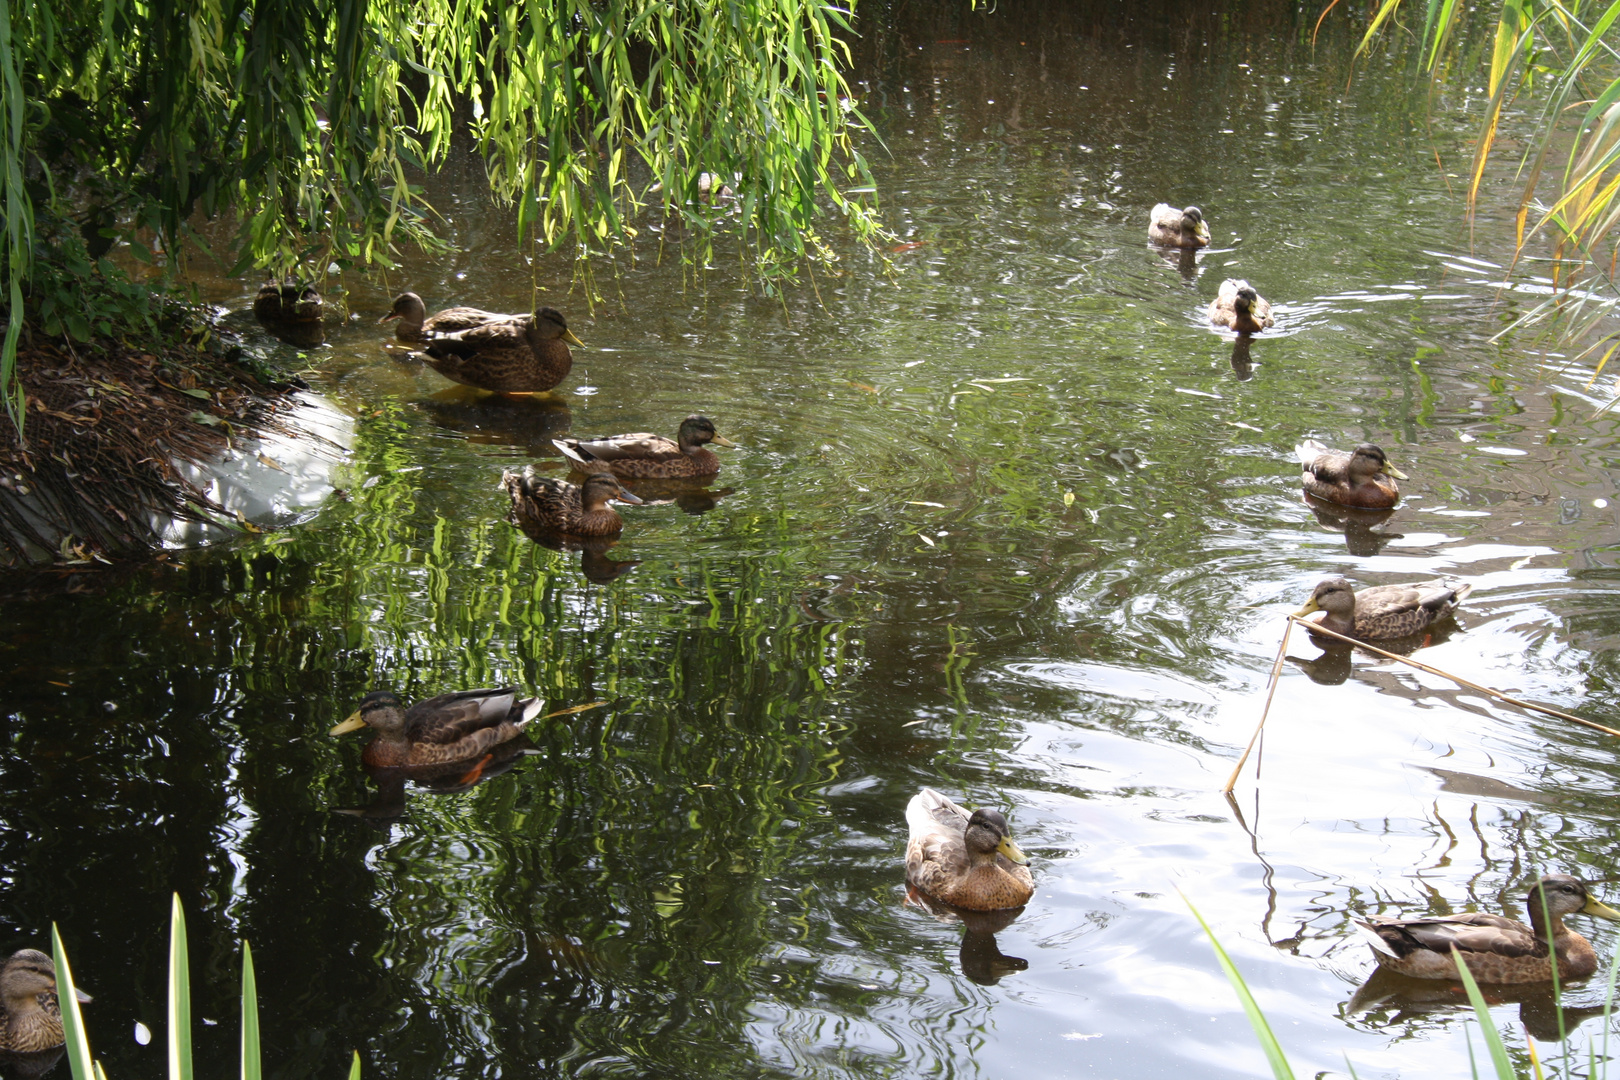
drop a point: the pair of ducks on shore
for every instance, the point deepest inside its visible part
(1237, 306)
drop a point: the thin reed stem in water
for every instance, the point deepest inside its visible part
(1271, 692)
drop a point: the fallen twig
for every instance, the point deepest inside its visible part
(1271, 692)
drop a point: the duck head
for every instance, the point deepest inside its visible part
(987, 835)
(379, 710)
(697, 430)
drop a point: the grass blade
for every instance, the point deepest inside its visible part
(1493, 1039)
(179, 997)
(354, 1070)
(251, 1065)
(78, 1043)
(1280, 1068)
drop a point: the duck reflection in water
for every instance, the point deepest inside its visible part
(1333, 666)
(447, 779)
(593, 561)
(528, 423)
(1390, 999)
(981, 958)
(1359, 526)
(694, 496)
(1242, 366)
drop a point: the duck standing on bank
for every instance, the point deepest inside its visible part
(1383, 611)
(968, 860)
(32, 1020)
(1497, 949)
(644, 455)
(1362, 477)
(547, 505)
(1238, 307)
(1178, 228)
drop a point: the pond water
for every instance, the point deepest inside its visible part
(887, 587)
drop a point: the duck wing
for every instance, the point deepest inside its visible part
(1475, 932)
(641, 444)
(505, 332)
(931, 812)
(453, 319)
(449, 718)
(1435, 597)
(1329, 466)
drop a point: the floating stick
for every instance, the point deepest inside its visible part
(1271, 692)
(1315, 629)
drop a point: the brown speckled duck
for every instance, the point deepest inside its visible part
(1497, 949)
(1238, 307)
(1363, 477)
(1178, 228)
(415, 324)
(32, 1020)
(448, 728)
(519, 354)
(968, 860)
(546, 504)
(1383, 611)
(646, 455)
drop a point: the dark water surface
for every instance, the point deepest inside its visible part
(885, 588)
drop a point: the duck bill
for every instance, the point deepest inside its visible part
(1202, 232)
(1602, 911)
(1010, 849)
(721, 440)
(390, 317)
(1396, 473)
(353, 723)
(568, 336)
(1310, 606)
(84, 998)
(625, 496)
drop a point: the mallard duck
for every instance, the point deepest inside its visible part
(450, 727)
(1496, 948)
(968, 860)
(546, 504)
(519, 354)
(287, 303)
(645, 455)
(32, 1019)
(1384, 611)
(415, 324)
(1238, 307)
(1178, 228)
(1363, 477)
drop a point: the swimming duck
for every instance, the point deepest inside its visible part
(1497, 949)
(646, 455)
(415, 324)
(1384, 611)
(546, 504)
(1238, 307)
(517, 354)
(1363, 477)
(1178, 228)
(450, 727)
(287, 303)
(968, 860)
(32, 1019)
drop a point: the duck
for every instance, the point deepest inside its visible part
(1383, 611)
(416, 325)
(1361, 477)
(32, 1015)
(451, 727)
(516, 354)
(1238, 307)
(642, 454)
(1178, 228)
(966, 860)
(1497, 949)
(546, 504)
(287, 303)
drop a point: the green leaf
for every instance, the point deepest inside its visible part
(1280, 1069)
(78, 1044)
(200, 395)
(1493, 1038)
(179, 997)
(251, 1067)
(354, 1070)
